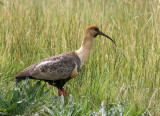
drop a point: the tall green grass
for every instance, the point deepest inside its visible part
(126, 78)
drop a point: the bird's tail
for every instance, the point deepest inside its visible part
(21, 76)
(19, 79)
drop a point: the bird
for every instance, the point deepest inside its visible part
(59, 69)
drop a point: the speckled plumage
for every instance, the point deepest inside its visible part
(55, 68)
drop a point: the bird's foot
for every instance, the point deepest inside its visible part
(63, 91)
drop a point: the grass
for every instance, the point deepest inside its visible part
(115, 81)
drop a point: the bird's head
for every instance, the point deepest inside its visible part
(93, 31)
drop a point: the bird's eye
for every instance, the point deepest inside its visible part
(96, 29)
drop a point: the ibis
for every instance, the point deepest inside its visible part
(59, 69)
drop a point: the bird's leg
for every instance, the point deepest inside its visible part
(64, 91)
(60, 92)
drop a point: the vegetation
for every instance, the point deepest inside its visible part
(122, 80)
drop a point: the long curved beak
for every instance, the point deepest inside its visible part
(101, 33)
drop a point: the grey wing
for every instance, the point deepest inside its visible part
(54, 69)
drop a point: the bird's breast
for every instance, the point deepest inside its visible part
(74, 72)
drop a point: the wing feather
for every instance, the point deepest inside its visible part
(54, 69)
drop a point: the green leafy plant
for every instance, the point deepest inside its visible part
(19, 100)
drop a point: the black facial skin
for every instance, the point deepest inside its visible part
(95, 35)
(97, 30)
(101, 33)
